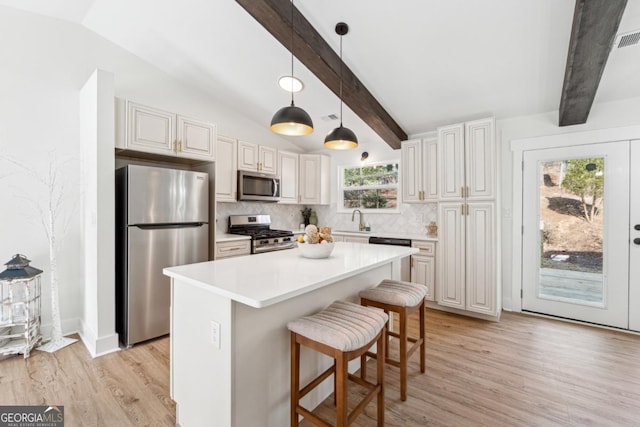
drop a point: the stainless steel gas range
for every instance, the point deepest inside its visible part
(263, 238)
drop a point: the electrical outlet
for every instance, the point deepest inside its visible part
(215, 334)
(419, 218)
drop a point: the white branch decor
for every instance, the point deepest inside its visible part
(50, 212)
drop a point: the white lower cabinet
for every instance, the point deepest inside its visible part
(356, 239)
(233, 248)
(467, 262)
(423, 267)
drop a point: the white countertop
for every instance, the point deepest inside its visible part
(226, 237)
(277, 276)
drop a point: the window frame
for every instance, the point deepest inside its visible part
(340, 208)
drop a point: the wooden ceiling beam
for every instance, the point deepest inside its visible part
(316, 54)
(595, 23)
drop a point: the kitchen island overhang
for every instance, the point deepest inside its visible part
(242, 377)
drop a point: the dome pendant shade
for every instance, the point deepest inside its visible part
(341, 138)
(291, 121)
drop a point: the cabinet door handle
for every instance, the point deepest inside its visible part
(467, 191)
(462, 192)
(467, 210)
(179, 147)
(462, 209)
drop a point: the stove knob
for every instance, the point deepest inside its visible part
(275, 240)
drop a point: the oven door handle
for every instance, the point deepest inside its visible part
(275, 187)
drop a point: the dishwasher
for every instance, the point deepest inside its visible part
(405, 263)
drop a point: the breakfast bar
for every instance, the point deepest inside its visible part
(229, 340)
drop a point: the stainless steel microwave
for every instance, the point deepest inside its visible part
(258, 186)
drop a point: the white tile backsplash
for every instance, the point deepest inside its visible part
(412, 218)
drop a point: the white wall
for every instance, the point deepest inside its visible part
(44, 64)
(602, 116)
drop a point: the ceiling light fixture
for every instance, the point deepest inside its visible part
(341, 138)
(291, 120)
(290, 83)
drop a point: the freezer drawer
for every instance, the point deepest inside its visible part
(146, 296)
(166, 196)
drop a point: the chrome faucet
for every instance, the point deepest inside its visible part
(361, 225)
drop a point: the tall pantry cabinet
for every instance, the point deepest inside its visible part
(467, 259)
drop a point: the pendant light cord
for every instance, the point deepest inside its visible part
(341, 81)
(292, 53)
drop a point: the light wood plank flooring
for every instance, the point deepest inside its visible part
(520, 371)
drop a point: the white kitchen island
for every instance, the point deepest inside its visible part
(247, 301)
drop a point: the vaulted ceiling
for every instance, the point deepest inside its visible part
(427, 62)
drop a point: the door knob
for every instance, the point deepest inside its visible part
(636, 227)
(636, 240)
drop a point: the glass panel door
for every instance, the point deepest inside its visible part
(575, 236)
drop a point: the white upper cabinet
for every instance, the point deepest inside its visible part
(419, 170)
(411, 170)
(247, 156)
(451, 161)
(480, 154)
(288, 173)
(315, 179)
(150, 130)
(467, 160)
(195, 139)
(257, 158)
(268, 159)
(226, 169)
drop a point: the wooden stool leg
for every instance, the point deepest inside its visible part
(422, 337)
(335, 382)
(363, 366)
(380, 352)
(342, 409)
(403, 353)
(387, 328)
(295, 379)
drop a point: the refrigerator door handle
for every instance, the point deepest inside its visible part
(166, 226)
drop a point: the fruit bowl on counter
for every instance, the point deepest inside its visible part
(316, 243)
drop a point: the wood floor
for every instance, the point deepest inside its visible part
(126, 388)
(520, 371)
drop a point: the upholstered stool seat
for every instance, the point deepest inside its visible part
(396, 292)
(342, 331)
(403, 298)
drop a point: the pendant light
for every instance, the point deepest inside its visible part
(341, 138)
(291, 120)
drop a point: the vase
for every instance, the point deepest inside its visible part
(313, 219)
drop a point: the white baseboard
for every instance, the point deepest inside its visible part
(98, 346)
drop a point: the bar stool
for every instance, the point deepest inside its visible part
(342, 331)
(403, 298)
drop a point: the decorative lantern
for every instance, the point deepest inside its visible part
(20, 307)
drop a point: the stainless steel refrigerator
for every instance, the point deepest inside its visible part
(161, 221)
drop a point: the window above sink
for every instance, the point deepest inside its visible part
(371, 188)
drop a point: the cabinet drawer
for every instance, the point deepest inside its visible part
(235, 248)
(426, 248)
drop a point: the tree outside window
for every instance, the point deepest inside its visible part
(372, 187)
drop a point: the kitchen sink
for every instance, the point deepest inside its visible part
(352, 231)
